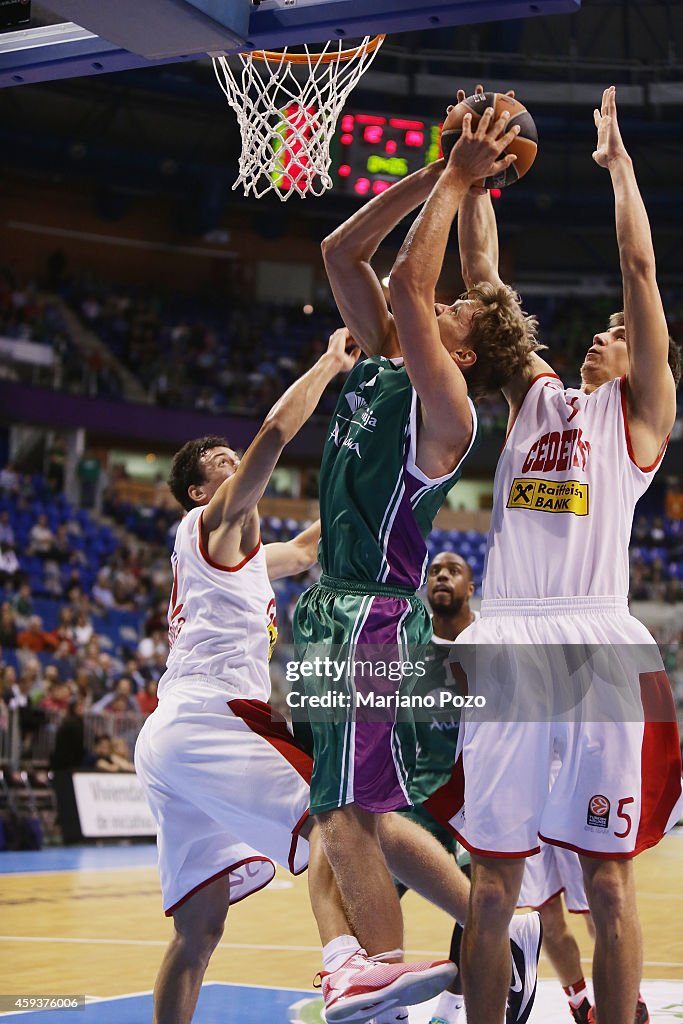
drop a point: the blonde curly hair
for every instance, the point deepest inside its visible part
(502, 335)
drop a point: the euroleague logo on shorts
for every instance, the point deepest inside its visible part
(598, 811)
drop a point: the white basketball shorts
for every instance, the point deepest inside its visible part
(550, 872)
(228, 787)
(580, 677)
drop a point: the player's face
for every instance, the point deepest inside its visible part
(606, 359)
(455, 323)
(448, 582)
(219, 464)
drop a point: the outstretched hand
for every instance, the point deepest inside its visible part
(479, 90)
(344, 349)
(477, 154)
(610, 144)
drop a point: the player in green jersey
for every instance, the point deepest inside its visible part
(401, 429)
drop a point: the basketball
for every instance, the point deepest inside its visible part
(525, 146)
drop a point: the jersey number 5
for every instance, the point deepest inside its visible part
(621, 813)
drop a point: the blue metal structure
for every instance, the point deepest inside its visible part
(68, 50)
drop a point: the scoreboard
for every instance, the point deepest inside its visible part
(374, 151)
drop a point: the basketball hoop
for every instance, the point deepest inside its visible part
(287, 107)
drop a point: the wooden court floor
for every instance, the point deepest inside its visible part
(102, 932)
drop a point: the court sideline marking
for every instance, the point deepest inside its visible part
(246, 945)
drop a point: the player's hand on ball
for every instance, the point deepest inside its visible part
(343, 347)
(475, 154)
(610, 144)
(461, 96)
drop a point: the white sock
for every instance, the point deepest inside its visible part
(338, 951)
(449, 1006)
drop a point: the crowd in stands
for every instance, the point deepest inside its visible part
(82, 620)
(229, 354)
(232, 355)
(27, 314)
(216, 354)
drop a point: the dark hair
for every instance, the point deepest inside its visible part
(617, 320)
(502, 335)
(187, 470)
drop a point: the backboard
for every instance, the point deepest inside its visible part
(102, 37)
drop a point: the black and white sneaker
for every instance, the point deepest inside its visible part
(526, 932)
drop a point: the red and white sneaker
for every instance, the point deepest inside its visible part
(642, 1014)
(362, 987)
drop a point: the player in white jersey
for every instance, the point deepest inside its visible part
(224, 778)
(555, 638)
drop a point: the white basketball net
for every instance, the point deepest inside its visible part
(288, 112)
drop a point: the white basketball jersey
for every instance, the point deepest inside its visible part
(564, 493)
(222, 623)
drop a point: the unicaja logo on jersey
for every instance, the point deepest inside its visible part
(356, 402)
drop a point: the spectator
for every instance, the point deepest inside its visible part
(64, 660)
(34, 638)
(157, 617)
(9, 564)
(70, 739)
(6, 530)
(57, 697)
(30, 718)
(48, 678)
(23, 604)
(101, 592)
(152, 651)
(83, 688)
(121, 697)
(137, 677)
(52, 580)
(61, 546)
(83, 629)
(88, 472)
(100, 760)
(41, 538)
(657, 532)
(64, 631)
(8, 680)
(8, 627)
(56, 464)
(147, 698)
(9, 480)
(120, 755)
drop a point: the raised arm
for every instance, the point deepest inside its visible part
(436, 376)
(478, 240)
(237, 497)
(347, 253)
(651, 393)
(289, 558)
(479, 257)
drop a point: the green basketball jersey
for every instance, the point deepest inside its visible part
(376, 506)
